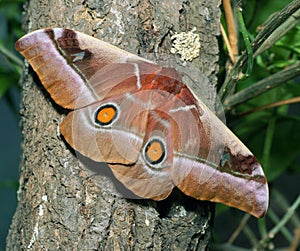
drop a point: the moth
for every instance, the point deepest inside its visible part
(141, 119)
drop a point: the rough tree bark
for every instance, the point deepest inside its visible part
(61, 205)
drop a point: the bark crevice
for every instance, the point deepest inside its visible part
(62, 204)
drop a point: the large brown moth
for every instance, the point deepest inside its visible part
(143, 121)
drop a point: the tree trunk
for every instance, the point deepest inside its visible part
(62, 205)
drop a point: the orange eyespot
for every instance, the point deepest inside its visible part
(106, 114)
(155, 151)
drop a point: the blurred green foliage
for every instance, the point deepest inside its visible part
(272, 134)
(10, 63)
(10, 72)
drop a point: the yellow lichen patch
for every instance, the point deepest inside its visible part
(186, 44)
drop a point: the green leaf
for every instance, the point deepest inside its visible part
(291, 41)
(5, 83)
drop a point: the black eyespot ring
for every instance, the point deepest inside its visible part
(106, 114)
(155, 151)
